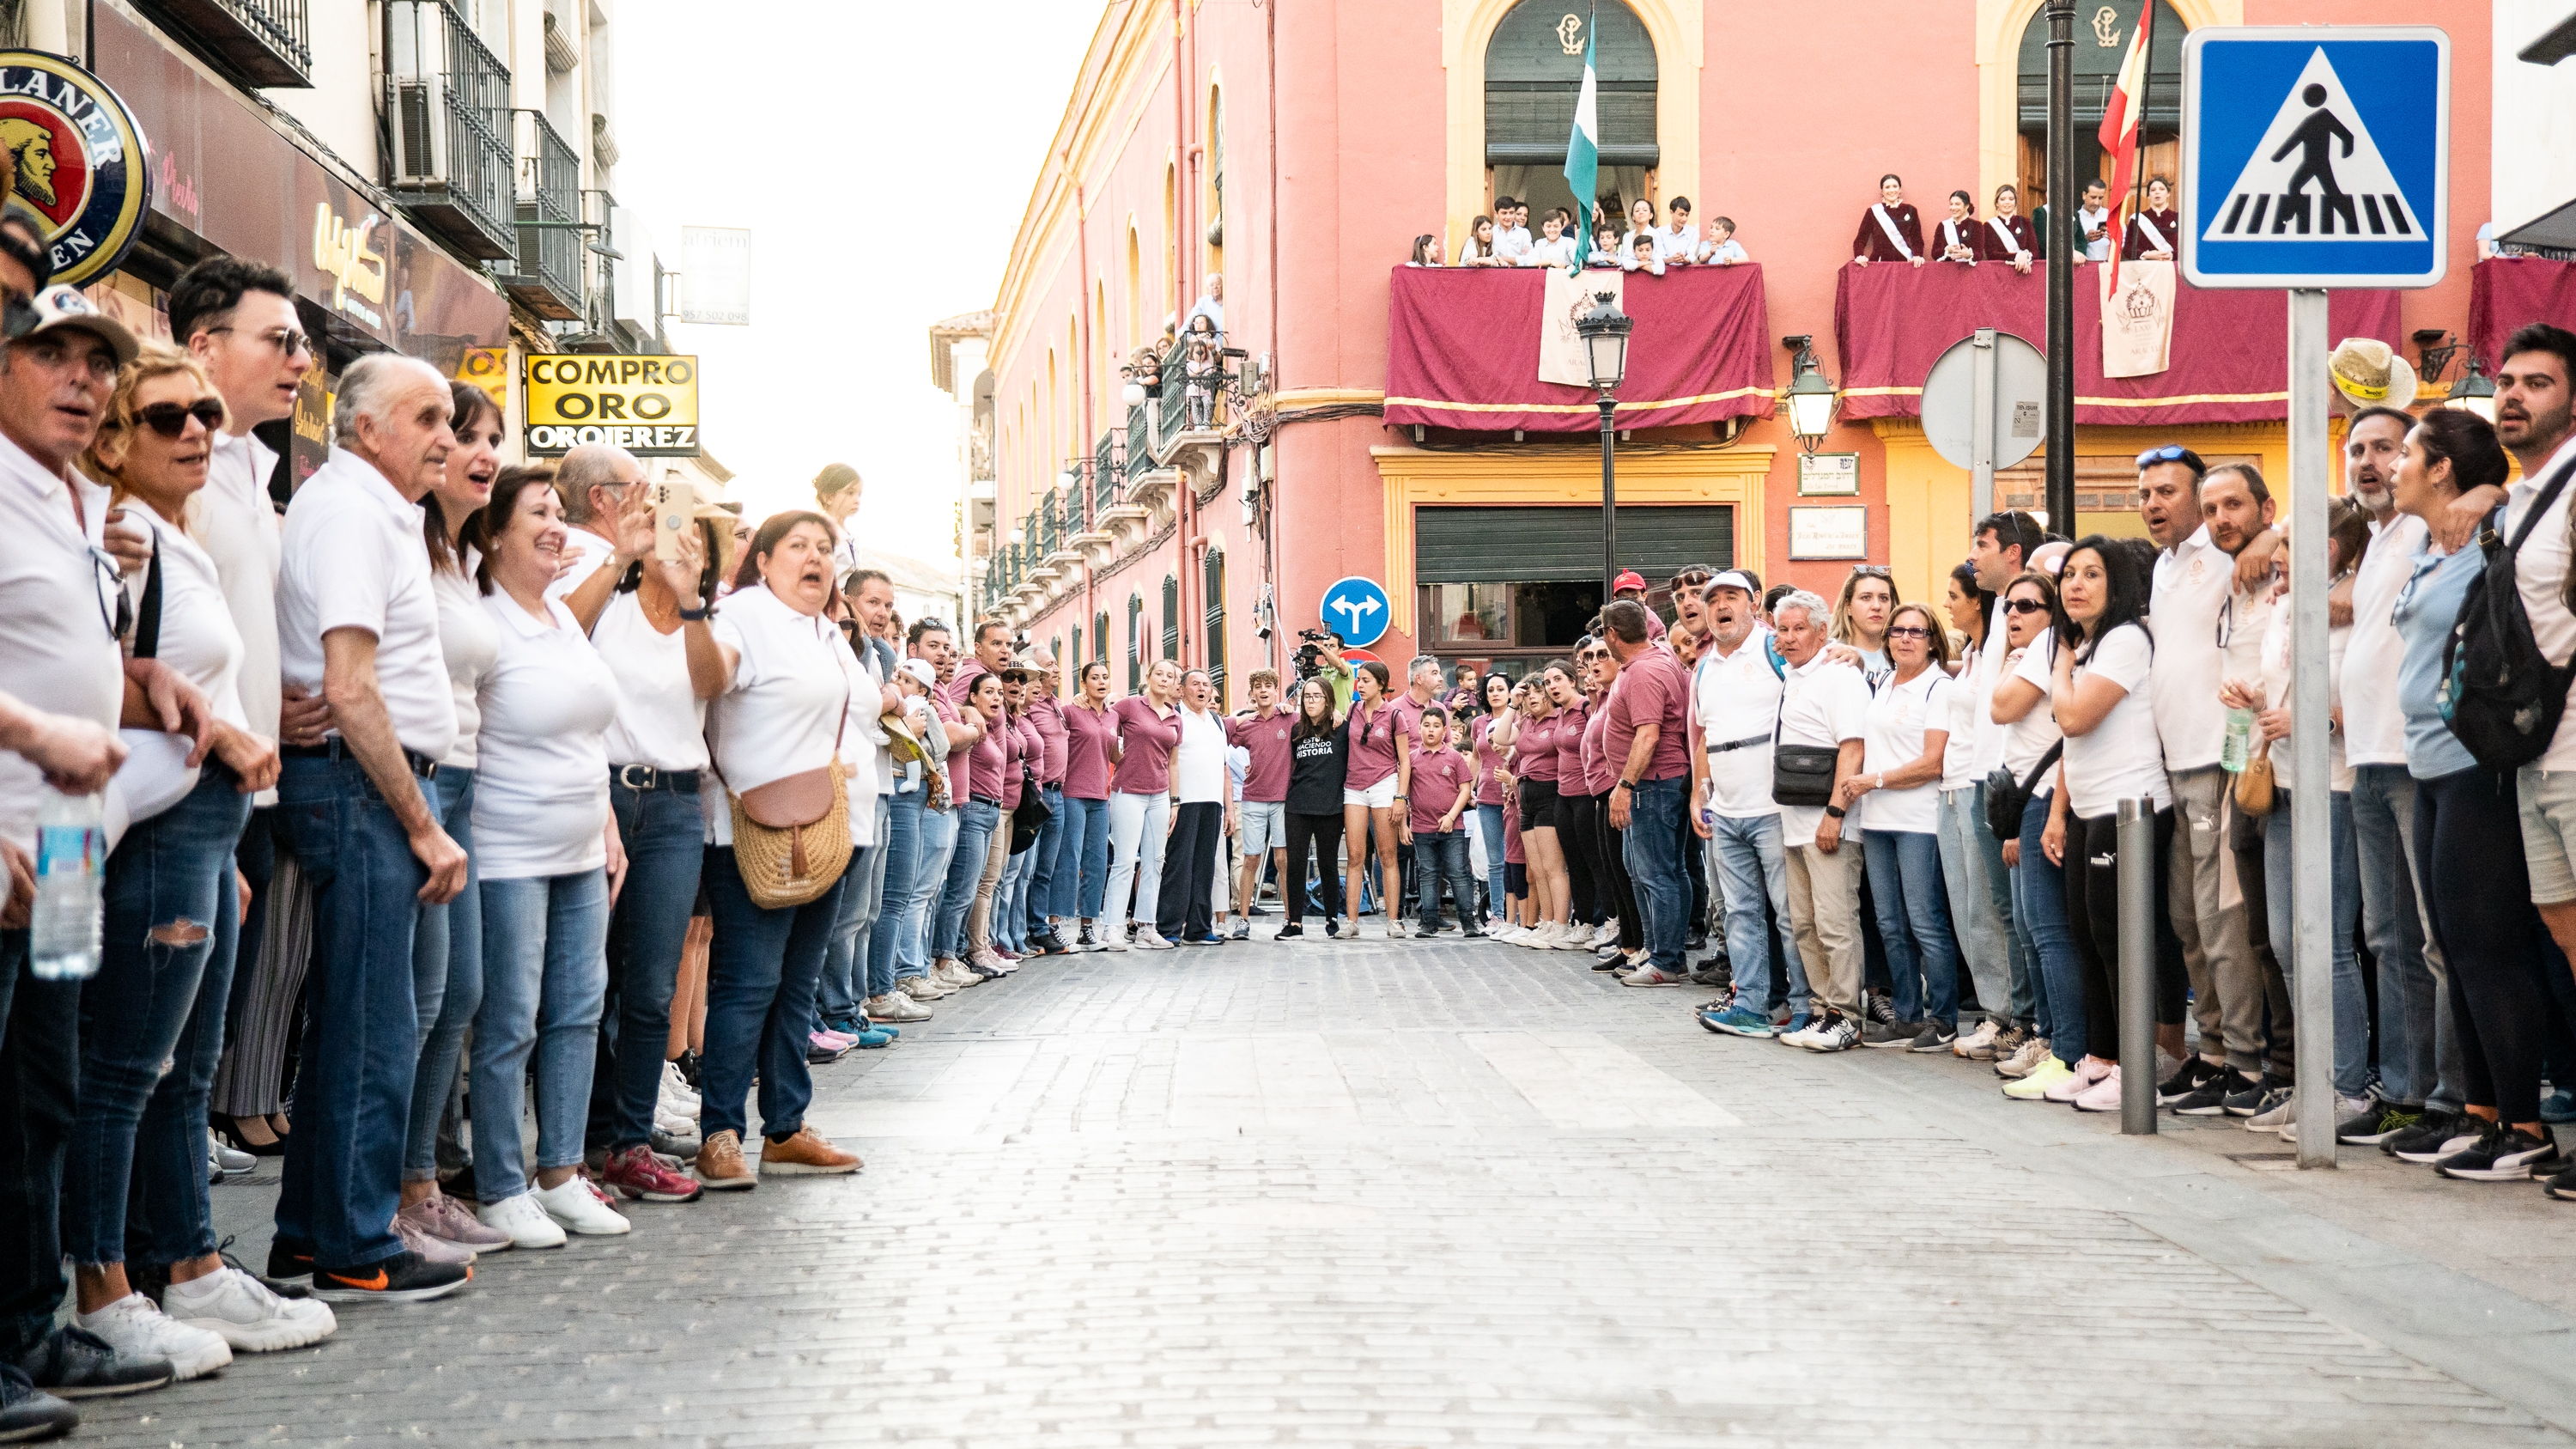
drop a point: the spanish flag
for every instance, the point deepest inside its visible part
(2121, 114)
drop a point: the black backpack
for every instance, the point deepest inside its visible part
(2500, 695)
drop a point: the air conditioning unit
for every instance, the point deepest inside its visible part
(420, 131)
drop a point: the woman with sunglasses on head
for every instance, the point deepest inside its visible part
(1140, 805)
(2031, 740)
(1494, 691)
(1861, 614)
(1380, 742)
(1900, 776)
(152, 1019)
(1576, 827)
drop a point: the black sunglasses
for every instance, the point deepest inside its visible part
(2025, 606)
(1909, 631)
(171, 419)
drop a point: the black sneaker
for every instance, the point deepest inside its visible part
(27, 1412)
(2252, 1098)
(1933, 1038)
(2563, 1186)
(1050, 944)
(73, 1363)
(2432, 1139)
(2501, 1154)
(406, 1277)
(1472, 931)
(2380, 1122)
(1890, 1033)
(2195, 1073)
(1290, 932)
(1333, 926)
(1085, 941)
(2211, 1097)
(290, 1260)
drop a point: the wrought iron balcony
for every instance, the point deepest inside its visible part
(1140, 439)
(1104, 477)
(548, 278)
(450, 103)
(259, 43)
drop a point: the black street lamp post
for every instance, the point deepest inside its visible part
(1604, 330)
(2065, 243)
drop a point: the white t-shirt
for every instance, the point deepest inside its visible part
(2277, 683)
(860, 747)
(470, 639)
(2540, 572)
(541, 779)
(590, 553)
(660, 721)
(2374, 728)
(1509, 243)
(235, 522)
(2191, 604)
(781, 713)
(2086, 219)
(201, 645)
(1821, 703)
(2028, 738)
(1899, 717)
(1962, 701)
(1737, 697)
(61, 655)
(1986, 670)
(2119, 760)
(1545, 253)
(353, 557)
(1198, 766)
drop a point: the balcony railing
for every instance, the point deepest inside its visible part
(1104, 478)
(1140, 440)
(548, 278)
(451, 116)
(260, 43)
(1171, 410)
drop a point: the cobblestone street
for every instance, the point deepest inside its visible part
(1415, 1194)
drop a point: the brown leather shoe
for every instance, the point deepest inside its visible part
(807, 1154)
(720, 1165)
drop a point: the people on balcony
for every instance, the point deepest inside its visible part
(1678, 238)
(2151, 233)
(1478, 249)
(2007, 236)
(1553, 248)
(1891, 230)
(1426, 251)
(1211, 305)
(1511, 230)
(1722, 249)
(1641, 255)
(1955, 239)
(2093, 219)
(1641, 223)
(1605, 247)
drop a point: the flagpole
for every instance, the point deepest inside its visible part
(2146, 83)
(2063, 248)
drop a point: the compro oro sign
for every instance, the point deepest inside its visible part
(647, 405)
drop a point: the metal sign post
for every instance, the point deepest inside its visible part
(1981, 407)
(2314, 157)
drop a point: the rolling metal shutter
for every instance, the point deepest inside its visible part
(1531, 84)
(1563, 545)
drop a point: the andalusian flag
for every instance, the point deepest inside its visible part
(1583, 151)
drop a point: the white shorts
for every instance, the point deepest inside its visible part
(1380, 796)
(1263, 826)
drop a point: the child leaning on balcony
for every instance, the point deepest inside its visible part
(1642, 256)
(1200, 371)
(1722, 249)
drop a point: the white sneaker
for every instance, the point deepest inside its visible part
(1983, 1036)
(1114, 938)
(1397, 930)
(677, 1088)
(1572, 938)
(240, 1310)
(577, 1205)
(954, 975)
(1606, 933)
(1539, 937)
(895, 1006)
(1150, 939)
(1506, 934)
(2102, 1096)
(982, 957)
(136, 1329)
(677, 1124)
(922, 988)
(527, 1223)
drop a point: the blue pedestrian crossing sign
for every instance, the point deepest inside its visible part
(2316, 155)
(1357, 609)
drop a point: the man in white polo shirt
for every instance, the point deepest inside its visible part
(1735, 703)
(1824, 703)
(357, 623)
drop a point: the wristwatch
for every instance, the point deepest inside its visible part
(691, 616)
(1835, 811)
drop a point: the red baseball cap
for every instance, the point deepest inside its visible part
(1628, 579)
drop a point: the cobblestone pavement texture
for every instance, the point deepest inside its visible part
(1416, 1194)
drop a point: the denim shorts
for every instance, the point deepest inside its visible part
(1263, 826)
(2548, 801)
(1380, 796)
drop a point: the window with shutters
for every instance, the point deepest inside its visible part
(1171, 616)
(1533, 74)
(1099, 637)
(1214, 587)
(2102, 36)
(1073, 659)
(1135, 644)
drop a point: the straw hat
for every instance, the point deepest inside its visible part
(2369, 373)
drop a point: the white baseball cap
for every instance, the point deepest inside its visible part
(1734, 579)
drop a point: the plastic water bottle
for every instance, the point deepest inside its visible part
(2239, 744)
(71, 881)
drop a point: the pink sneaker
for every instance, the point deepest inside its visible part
(2102, 1096)
(2087, 1072)
(830, 1041)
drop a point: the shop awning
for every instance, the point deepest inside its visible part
(2230, 348)
(1463, 345)
(2505, 294)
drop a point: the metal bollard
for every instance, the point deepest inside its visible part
(2137, 984)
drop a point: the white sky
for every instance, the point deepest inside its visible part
(881, 155)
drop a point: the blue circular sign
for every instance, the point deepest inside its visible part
(1358, 610)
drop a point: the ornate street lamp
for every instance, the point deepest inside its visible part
(2474, 392)
(1604, 330)
(1812, 397)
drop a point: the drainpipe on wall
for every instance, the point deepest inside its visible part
(1268, 520)
(1185, 254)
(1090, 425)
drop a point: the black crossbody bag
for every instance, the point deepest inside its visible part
(1801, 774)
(2007, 798)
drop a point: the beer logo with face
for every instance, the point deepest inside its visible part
(74, 162)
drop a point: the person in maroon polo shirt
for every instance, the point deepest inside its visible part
(1262, 819)
(1647, 736)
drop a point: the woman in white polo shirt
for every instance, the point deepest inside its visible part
(2032, 744)
(546, 853)
(153, 1018)
(1900, 775)
(788, 679)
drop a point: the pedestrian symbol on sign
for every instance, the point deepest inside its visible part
(2316, 173)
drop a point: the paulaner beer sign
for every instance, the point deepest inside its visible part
(646, 404)
(73, 153)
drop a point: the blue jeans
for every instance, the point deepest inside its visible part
(1980, 904)
(2022, 962)
(1439, 858)
(844, 982)
(361, 1022)
(899, 918)
(1489, 824)
(1906, 887)
(929, 881)
(1082, 862)
(761, 974)
(1652, 849)
(545, 972)
(172, 920)
(2412, 1001)
(1010, 899)
(1752, 874)
(2039, 919)
(2351, 1004)
(1048, 865)
(446, 979)
(647, 929)
(975, 823)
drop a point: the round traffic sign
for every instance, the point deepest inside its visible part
(1358, 610)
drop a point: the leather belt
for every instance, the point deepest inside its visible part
(644, 779)
(1746, 743)
(993, 800)
(332, 749)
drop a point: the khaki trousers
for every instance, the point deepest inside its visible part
(1824, 920)
(2209, 916)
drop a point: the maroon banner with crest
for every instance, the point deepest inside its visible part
(1463, 350)
(2508, 292)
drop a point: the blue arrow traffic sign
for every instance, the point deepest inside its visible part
(1357, 609)
(2315, 156)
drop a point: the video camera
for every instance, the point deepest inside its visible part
(1310, 653)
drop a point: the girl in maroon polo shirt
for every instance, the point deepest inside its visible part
(1082, 868)
(1379, 743)
(1140, 804)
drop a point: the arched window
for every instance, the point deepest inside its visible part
(1099, 639)
(1071, 663)
(2102, 34)
(1135, 292)
(1135, 644)
(1168, 285)
(1534, 72)
(1171, 616)
(1213, 578)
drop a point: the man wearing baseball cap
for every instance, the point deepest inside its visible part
(1632, 585)
(1735, 700)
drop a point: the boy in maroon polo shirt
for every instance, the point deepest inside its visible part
(1443, 786)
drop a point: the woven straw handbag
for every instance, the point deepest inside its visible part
(791, 837)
